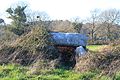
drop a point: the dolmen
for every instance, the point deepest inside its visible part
(70, 41)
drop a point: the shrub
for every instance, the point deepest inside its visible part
(18, 31)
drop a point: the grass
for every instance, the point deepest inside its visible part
(12, 72)
(17, 72)
(95, 47)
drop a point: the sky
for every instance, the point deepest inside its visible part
(61, 9)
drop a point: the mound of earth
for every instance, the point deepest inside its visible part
(29, 48)
(107, 62)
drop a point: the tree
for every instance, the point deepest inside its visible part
(77, 24)
(93, 26)
(36, 17)
(17, 15)
(19, 18)
(61, 26)
(109, 18)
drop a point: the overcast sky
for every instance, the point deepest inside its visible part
(62, 9)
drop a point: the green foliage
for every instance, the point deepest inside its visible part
(19, 18)
(77, 26)
(17, 15)
(117, 77)
(17, 30)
